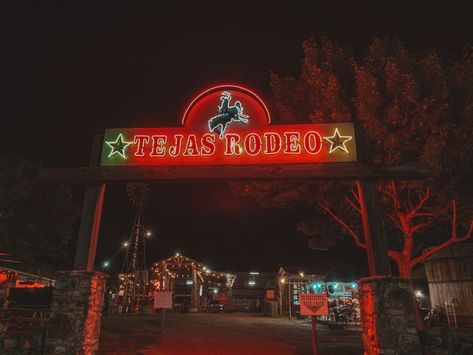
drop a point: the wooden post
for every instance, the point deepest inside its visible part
(376, 244)
(289, 298)
(163, 318)
(195, 290)
(91, 216)
(314, 335)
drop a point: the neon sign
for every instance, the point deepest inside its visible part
(228, 124)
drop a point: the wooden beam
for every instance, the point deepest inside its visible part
(376, 241)
(89, 227)
(375, 235)
(201, 173)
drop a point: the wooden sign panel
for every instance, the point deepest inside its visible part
(163, 299)
(229, 125)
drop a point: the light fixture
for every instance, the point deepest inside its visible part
(106, 263)
(301, 274)
(419, 294)
(148, 234)
(283, 280)
(125, 244)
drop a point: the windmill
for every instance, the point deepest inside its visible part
(134, 264)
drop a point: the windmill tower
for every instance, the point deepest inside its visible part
(134, 264)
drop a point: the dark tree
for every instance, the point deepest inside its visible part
(36, 220)
(412, 108)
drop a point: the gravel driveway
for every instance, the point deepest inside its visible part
(237, 333)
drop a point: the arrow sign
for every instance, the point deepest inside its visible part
(313, 304)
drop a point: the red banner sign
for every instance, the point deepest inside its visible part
(229, 124)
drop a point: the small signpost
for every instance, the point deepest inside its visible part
(163, 300)
(314, 304)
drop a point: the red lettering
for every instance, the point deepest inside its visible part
(208, 144)
(312, 142)
(232, 146)
(273, 143)
(175, 149)
(253, 144)
(140, 140)
(159, 150)
(292, 143)
(191, 146)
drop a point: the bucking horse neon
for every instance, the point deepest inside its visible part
(227, 114)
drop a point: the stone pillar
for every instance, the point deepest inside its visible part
(74, 327)
(388, 316)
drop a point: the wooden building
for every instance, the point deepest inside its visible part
(450, 277)
(249, 290)
(195, 287)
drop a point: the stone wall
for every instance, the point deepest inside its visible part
(388, 316)
(74, 327)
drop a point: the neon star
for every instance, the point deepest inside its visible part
(338, 142)
(118, 146)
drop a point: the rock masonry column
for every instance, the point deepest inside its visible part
(388, 316)
(74, 327)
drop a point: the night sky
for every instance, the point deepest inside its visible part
(72, 70)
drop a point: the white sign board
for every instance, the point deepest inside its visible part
(313, 304)
(163, 299)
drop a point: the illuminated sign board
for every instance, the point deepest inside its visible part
(228, 125)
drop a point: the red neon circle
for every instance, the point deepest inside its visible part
(221, 87)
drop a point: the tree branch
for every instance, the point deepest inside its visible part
(355, 195)
(393, 194)
(345, 226)
(420, 226)
(452, 240)
(395, 220)
(422, 200)
(352, 204)
(394, 254)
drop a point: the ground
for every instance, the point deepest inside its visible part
(232, 334)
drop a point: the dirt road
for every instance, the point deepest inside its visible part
(223, 334)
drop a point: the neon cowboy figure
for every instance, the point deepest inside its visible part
(226, 115)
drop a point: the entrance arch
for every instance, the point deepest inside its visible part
(226, 134)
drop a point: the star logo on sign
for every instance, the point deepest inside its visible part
(118, 146)
(338, 142)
